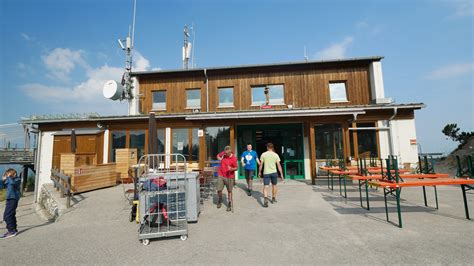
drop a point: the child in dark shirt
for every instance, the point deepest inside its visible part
(11, 182)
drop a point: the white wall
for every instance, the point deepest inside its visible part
(383, 140)
(45, 160)
(376, 82)
(403, 131)
(307, 159)
(106, 146)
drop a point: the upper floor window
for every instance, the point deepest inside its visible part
(268, 95)
(159, 100)
(226, 97)
(337, 92)
(193, 98)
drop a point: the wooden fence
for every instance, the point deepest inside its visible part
(62, 182)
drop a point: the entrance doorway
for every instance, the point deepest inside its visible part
(287, 140)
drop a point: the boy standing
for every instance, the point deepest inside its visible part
(12, 183)
(269, 161)
(248, 162)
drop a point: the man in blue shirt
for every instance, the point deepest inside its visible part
(12, 183)
(249, 157)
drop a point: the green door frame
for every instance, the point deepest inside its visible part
(299, 162)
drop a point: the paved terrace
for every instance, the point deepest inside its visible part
(309, 225)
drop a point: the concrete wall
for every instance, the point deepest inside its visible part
(45, 155)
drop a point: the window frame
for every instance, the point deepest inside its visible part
(346, 100)
(226, 105)
(190, 143)
(200, 98)
(270, 99)
(153, 102)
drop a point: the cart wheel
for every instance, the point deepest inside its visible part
(146, 242)
(184, 237)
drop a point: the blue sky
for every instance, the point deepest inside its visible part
(56, 55)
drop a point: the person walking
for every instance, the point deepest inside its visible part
(269, 162)
(248, 159)
(226, 175)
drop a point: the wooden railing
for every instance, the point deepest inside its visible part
(16, 156)
(62, 183)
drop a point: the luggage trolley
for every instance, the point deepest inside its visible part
(162, 197)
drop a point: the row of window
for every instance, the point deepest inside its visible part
(261, 95)
(329, 141)
(183, 140)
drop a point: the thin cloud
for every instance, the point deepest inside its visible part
(86, 96)
(140, 62)
(61, 61)
(25, 36)
(463, 8)
(451, 71)
(87, 91)
(335, 50)
(459, 9)
(362, 25)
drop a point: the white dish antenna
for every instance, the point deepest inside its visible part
(113, 90)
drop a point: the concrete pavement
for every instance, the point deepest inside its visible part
(308, 225)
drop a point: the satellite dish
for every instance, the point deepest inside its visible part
(113, 90)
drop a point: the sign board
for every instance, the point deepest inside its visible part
(200, 133)
(266, 107)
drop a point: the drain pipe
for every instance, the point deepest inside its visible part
(207, 90)
(389, 125)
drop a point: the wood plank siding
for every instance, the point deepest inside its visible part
(302, 88)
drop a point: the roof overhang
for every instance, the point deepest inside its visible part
(275, 114)
(367, 59)
(78, 132)
(335, 111)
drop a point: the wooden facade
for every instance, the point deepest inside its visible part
(308, 88)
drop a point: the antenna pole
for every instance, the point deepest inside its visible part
(133, 22)
(186, 48)
(194, 44)
(305, 56)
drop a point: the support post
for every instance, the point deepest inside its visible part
(24, 175)
(385, 200)
(367, 193)
(466, 208)
(424, 196)
(398, 191)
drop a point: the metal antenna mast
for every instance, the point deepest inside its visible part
(128, 48)
(186, 47)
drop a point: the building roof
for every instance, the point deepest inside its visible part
(275, 65)
(339, 110)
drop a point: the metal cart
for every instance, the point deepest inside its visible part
(162, 197)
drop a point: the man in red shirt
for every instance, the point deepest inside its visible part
(226, 175)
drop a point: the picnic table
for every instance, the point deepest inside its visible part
(394, 188)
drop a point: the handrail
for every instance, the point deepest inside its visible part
(62, 182)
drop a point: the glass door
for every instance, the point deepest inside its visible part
(287, 140)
